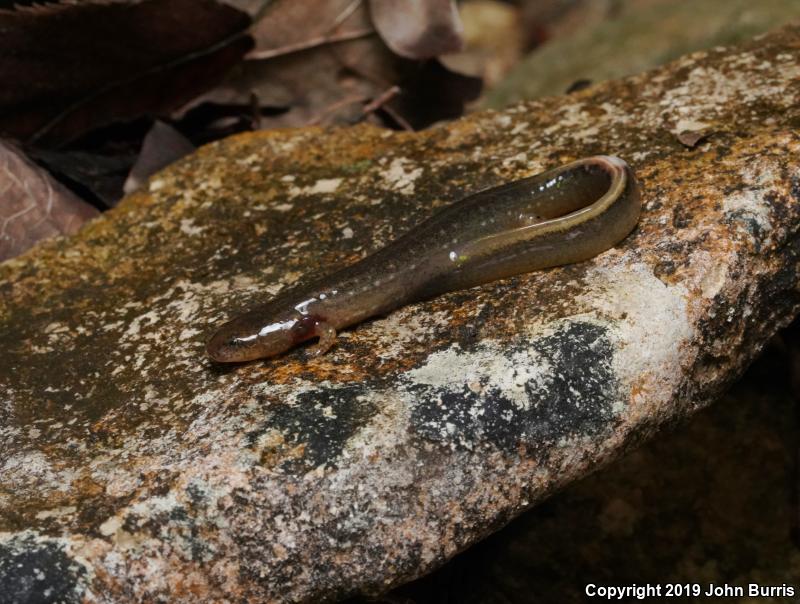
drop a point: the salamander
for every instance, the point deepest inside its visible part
(561, 216)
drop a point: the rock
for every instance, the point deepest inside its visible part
(134, 470)
(687, 507)
(625, 37)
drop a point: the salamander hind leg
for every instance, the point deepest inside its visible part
(327, 338)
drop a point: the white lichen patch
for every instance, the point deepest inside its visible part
(690, 125)
(188, 227)
(321, 187)
(762, 172)
(649, 323)
(711, 275)
(518, 159)
(385, 432)
(404, 326)
(571, 116)
(28, 465)
(110, 526)
(58, 335)
(189, 333)
(519, 128)
(576, 123)
(747, 206)
(35, 468)
(451, 369)
(709, 90)
(66, 510)
(134, 328)
(400, 176)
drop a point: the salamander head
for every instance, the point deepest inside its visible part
(250, 337)
(243, 340)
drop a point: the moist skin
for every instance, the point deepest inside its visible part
(561, 216)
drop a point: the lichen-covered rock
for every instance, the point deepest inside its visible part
(707, 503)
(133, 469)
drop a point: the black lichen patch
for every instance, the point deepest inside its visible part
(574, 397)
(795, 188)
(582, 389)
(33, 572)
(784, 213)
(751, 224)
(681, 217)
(322, 421)
(183, 525)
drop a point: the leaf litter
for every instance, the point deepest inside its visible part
(107, 92)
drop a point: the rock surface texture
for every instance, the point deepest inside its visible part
(134, 470)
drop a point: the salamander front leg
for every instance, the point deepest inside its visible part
(327, 337)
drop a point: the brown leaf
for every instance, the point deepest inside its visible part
(162, 145)
(692, 138)
(75, 66)
(493, 40)
(33, 206)
(578, 85)
(290, 26)
(323, 65)
(418, 29)
(96, 177)
(251, 7)
(291, 65)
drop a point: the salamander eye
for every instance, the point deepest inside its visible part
(304, 327)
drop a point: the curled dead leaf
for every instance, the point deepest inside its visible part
(692, 138)
(34, 206)
(418, 29)
(289, 26)
(162, 145)
(493, 40)
(322, 63)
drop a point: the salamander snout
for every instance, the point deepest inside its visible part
(238, 341)
(226, 348)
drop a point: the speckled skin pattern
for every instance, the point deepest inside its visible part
(561, 216)
(134, 469)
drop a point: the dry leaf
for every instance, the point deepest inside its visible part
(33, 206)
(290, 26)
(323, 64)
(578, 85)
(691, 138)
(75, 66)
(418, 29)
(251, 7)
(162, 145)
(97, 177)
(493, 40)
